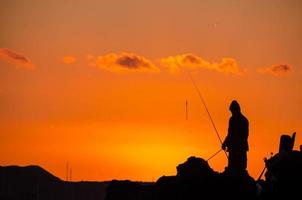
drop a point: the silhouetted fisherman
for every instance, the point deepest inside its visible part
(236, 142)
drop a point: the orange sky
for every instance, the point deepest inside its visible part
(102, 85)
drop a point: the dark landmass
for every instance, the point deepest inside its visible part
(33, 182)
(195, 179)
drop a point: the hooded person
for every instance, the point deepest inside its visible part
(236, 141)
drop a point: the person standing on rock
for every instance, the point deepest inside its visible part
(236, 141)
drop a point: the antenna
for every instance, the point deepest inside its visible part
(186, 109)
(67, 171)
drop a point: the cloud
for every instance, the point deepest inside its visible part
(15, 58)
(125, 62)
(69, 59)
(89, 57)
(193, 62)
(276, 70)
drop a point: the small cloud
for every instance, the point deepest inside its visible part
(69, 59)
(15, 58)
(89, 57)
(276, 70)
(125, 62)
(193, 62)
(91, 60)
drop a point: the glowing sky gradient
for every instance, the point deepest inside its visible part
(102, 85)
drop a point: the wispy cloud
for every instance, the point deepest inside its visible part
(193, 62)
(17, 59)
(69, 59)
(125, 62)
(276, 70)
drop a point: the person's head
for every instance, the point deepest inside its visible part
(235, 107)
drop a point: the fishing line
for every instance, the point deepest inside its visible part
(214, 155)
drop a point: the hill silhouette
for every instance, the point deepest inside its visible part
(195, 179)
(33, 182)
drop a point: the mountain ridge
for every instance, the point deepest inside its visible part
(34, 182)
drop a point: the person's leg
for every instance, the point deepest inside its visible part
(237, 161)
(241, 161)
(232, 160)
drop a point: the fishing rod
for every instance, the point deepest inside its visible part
(265, 168)
(208, 112)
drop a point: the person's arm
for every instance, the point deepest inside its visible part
(246, 131)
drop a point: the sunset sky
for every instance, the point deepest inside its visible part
(102, 84)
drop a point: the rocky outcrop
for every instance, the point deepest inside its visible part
(194, 180)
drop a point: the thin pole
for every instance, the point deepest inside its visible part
(67, 170)
(264, 169)
(186, 110)
(203, 102)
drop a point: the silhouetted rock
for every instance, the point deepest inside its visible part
(238, 185)
(194, 168)
(283, 176)
(128, 190)
(194, 180)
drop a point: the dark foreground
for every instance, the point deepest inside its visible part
(33, 183)
(194, 180)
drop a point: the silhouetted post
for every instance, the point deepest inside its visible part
(287, 143)
(186, 110)
(67, 171)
